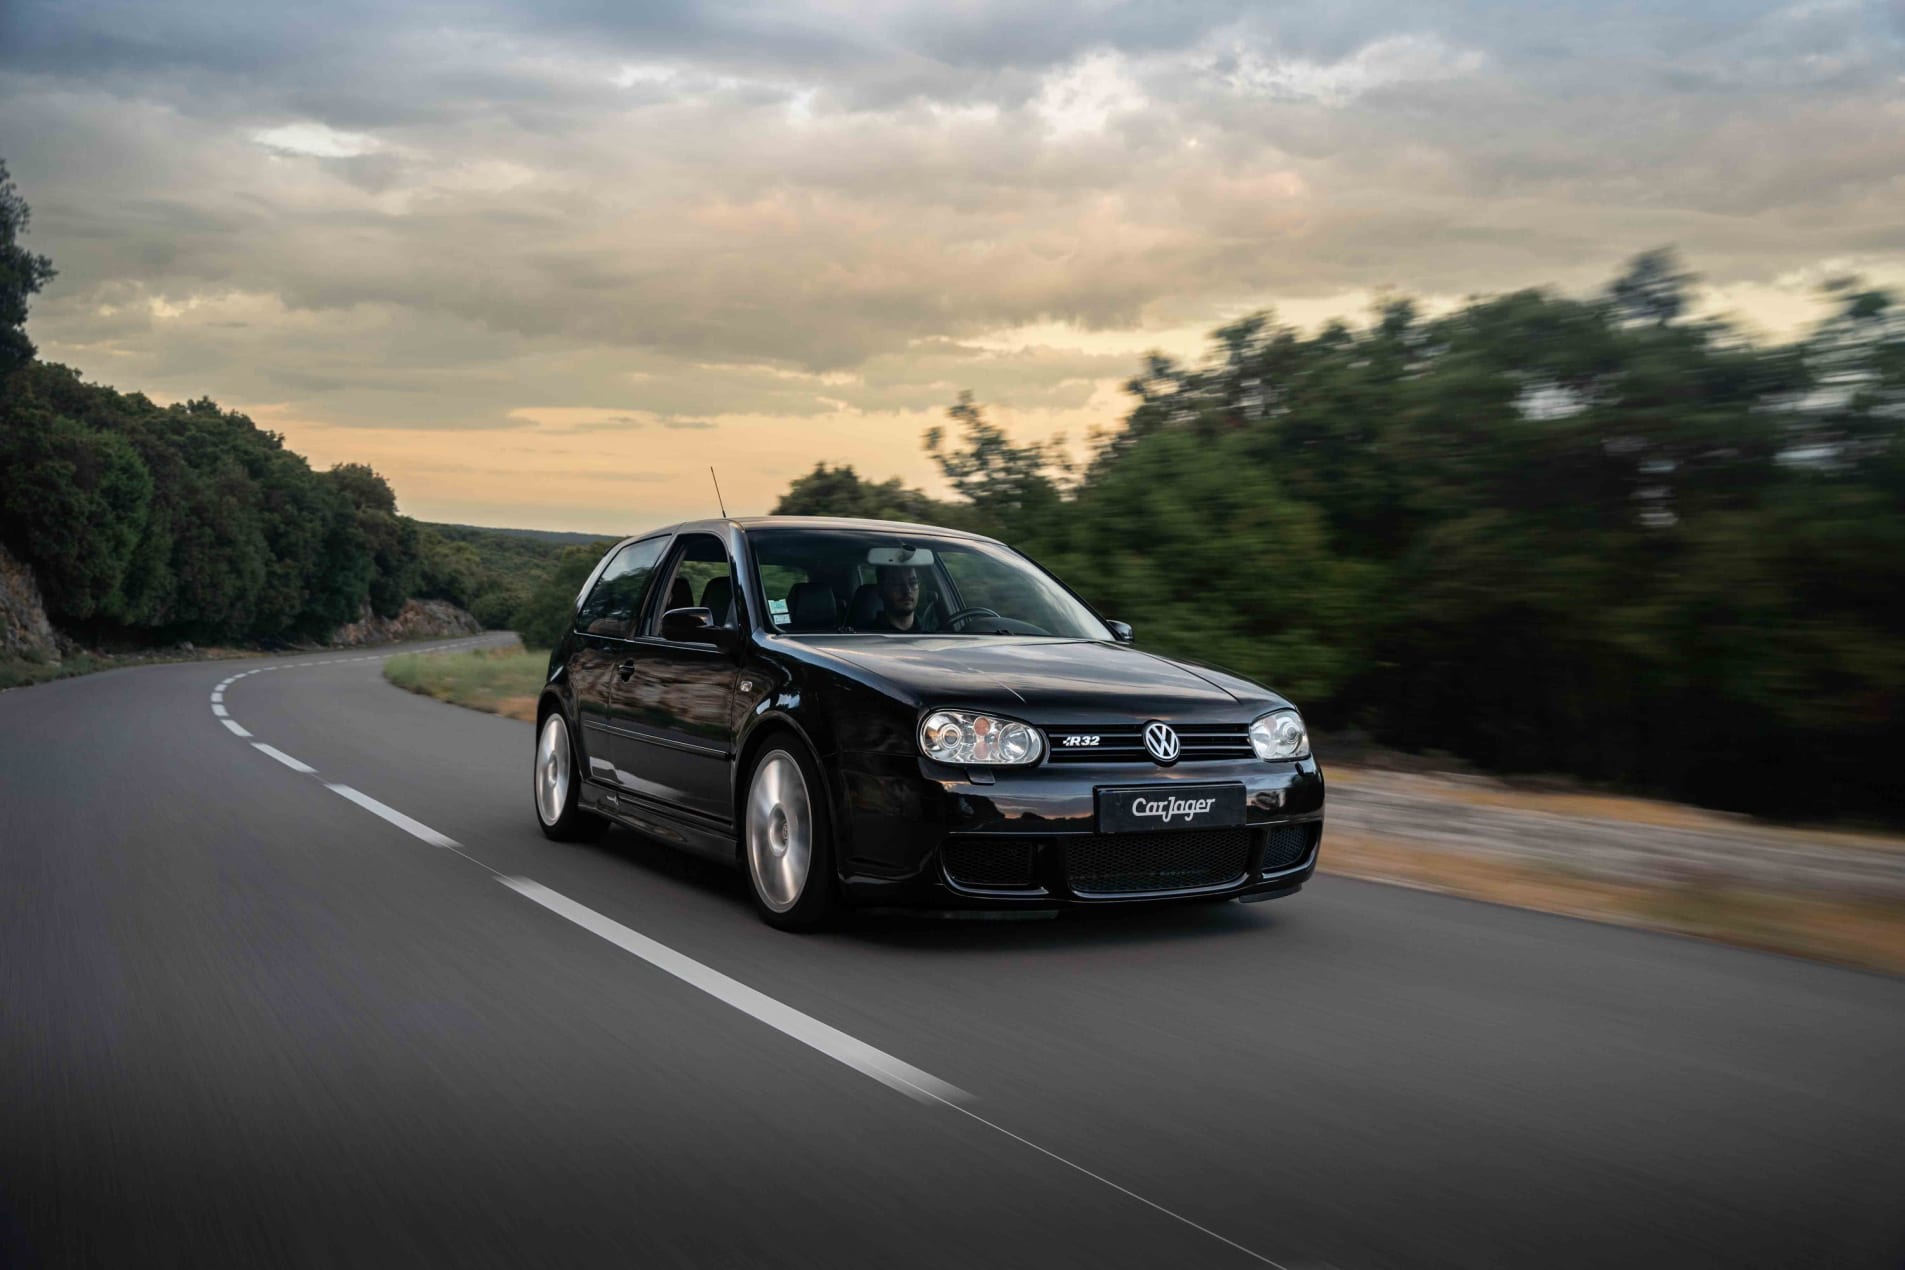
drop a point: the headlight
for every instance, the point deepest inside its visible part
(1280, 736)
(955, 736)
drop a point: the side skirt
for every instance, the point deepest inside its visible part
(655, 821)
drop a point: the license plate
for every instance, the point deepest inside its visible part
(1159, 807)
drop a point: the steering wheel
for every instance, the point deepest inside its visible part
(954, 619)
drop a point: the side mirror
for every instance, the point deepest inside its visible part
(1121, 632)
(696, 626)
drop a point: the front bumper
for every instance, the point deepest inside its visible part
(904, 820)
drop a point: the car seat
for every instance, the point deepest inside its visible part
(866, 606)
(812, 606)
(718, 598)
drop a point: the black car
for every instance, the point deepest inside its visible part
(861, 713)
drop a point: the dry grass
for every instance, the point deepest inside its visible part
(1849, 933)
(502, 681)
(1487, 792)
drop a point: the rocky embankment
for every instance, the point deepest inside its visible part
(418, 619)
(25, 634)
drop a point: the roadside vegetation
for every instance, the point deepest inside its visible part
(149, 526)
(18, 672)
(1590, 537)
(501, 681)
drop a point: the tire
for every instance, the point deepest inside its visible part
(556, 786)
(787, 839)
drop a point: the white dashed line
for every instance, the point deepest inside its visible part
(219, 710)
(415, 828)
(284, 758)
(236, 730)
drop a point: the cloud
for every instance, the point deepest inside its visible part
(316, 140)
(687, 221)
(1393, 60)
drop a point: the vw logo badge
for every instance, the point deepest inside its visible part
(1161, 742)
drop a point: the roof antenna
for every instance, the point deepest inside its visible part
(717, 492)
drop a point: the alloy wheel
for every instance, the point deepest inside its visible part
(780, 831)
(552, 769)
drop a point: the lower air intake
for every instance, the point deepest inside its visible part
(1284, 846)
(988, 862)
(1140, 863)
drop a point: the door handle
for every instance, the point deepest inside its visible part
(626, 669)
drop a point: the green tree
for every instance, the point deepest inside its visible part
(22, 274)
(1011, 488)
(840, 491)
(392, 540)
(74, 504)
(544, 616)
(446, 569)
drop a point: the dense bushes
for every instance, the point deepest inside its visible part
(157, 523)
(154, 524)
(1541, 533)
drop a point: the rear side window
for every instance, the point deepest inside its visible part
(616, 598)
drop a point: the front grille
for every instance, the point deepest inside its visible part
(989, 861)
(1134, 863)
(1125, 743)
(1284, 846)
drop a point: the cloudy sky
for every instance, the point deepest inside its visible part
(541, 263)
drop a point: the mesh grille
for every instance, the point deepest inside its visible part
(981, 861)
(1131, 863)
(1284, 846)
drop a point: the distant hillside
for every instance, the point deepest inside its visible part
(472, 533)
(495, 572)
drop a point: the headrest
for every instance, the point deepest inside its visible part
(812, 604)
(681, 595)
(718, 598)
(865, 607)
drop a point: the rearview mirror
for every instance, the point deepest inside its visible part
(695, 626)
(1120, 631)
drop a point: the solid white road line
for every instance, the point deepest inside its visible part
(831, 1041)
(415, 828)
(809, 1031)
(284, 758)
(236, 730)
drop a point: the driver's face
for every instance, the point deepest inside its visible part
(899, 590)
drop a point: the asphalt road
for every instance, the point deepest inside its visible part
(247, 1020)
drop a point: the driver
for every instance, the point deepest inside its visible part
(899, 600)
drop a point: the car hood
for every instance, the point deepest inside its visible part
(1040, 679)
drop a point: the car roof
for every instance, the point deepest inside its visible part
(810, 522)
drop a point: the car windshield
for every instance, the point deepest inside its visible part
(889, 582)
